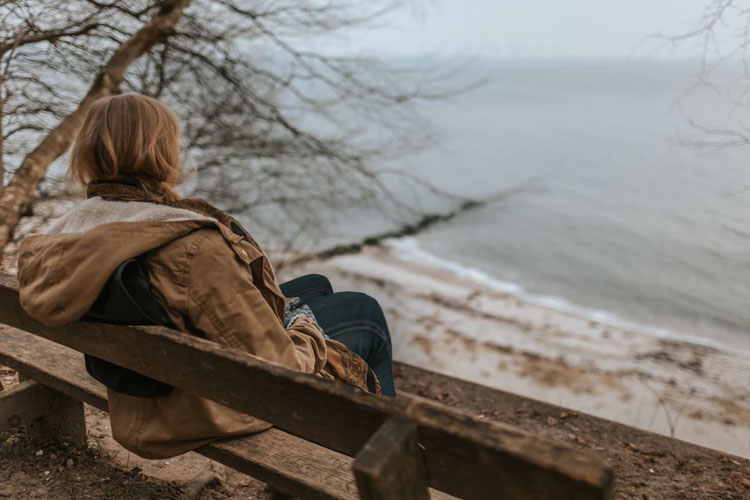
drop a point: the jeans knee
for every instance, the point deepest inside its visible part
(318, 281)
(369, 309)
(362, 302)
(309, 284)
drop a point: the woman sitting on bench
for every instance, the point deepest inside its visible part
(205, 273)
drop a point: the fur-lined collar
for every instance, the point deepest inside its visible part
(128, 189)
(97, 211)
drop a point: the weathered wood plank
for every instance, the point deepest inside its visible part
(21, 404)
(334, 415)
(296, 466)
(51, 364)
(43, 411)
(390, 466)
(287, 462)
(510, 467)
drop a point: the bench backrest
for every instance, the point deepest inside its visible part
(460, 455)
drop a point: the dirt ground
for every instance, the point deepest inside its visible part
(647, 465)
(102, 470)
(59, 471)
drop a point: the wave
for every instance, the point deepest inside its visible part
(408, 248)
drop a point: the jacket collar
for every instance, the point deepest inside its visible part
(129, 188)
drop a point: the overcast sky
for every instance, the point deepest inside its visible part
(534, 28)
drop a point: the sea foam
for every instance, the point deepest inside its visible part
(409, 249)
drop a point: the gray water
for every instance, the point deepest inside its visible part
(625, 217)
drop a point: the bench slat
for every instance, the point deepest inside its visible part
(50, 364)
(465, 456)
(275, 457)
(294, 465)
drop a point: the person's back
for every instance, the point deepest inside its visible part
(206, 272)
(211, 281)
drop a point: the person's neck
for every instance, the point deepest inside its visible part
(132, 188)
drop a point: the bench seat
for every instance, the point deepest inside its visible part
(287, 462)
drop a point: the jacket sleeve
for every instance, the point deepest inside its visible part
(224, 303)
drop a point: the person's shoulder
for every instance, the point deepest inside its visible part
(204, 241)
(209, 249)
(180, 254)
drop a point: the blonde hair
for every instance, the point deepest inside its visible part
(129, 135)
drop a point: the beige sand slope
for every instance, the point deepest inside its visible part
(455, 326)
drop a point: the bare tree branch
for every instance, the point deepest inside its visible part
(34, 166)
(723, 30)
(273, 129)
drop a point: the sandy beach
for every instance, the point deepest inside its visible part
(452, 325)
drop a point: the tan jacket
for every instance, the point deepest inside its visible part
(211, 283)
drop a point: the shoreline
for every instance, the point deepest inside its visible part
(453, 325)
(407, 249)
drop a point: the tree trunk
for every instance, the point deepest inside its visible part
(21, 187)
(2, 141)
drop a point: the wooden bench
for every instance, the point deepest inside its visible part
(403, 448)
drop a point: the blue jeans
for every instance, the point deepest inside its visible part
(352, 318)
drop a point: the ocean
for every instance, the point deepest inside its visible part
(625, 220)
